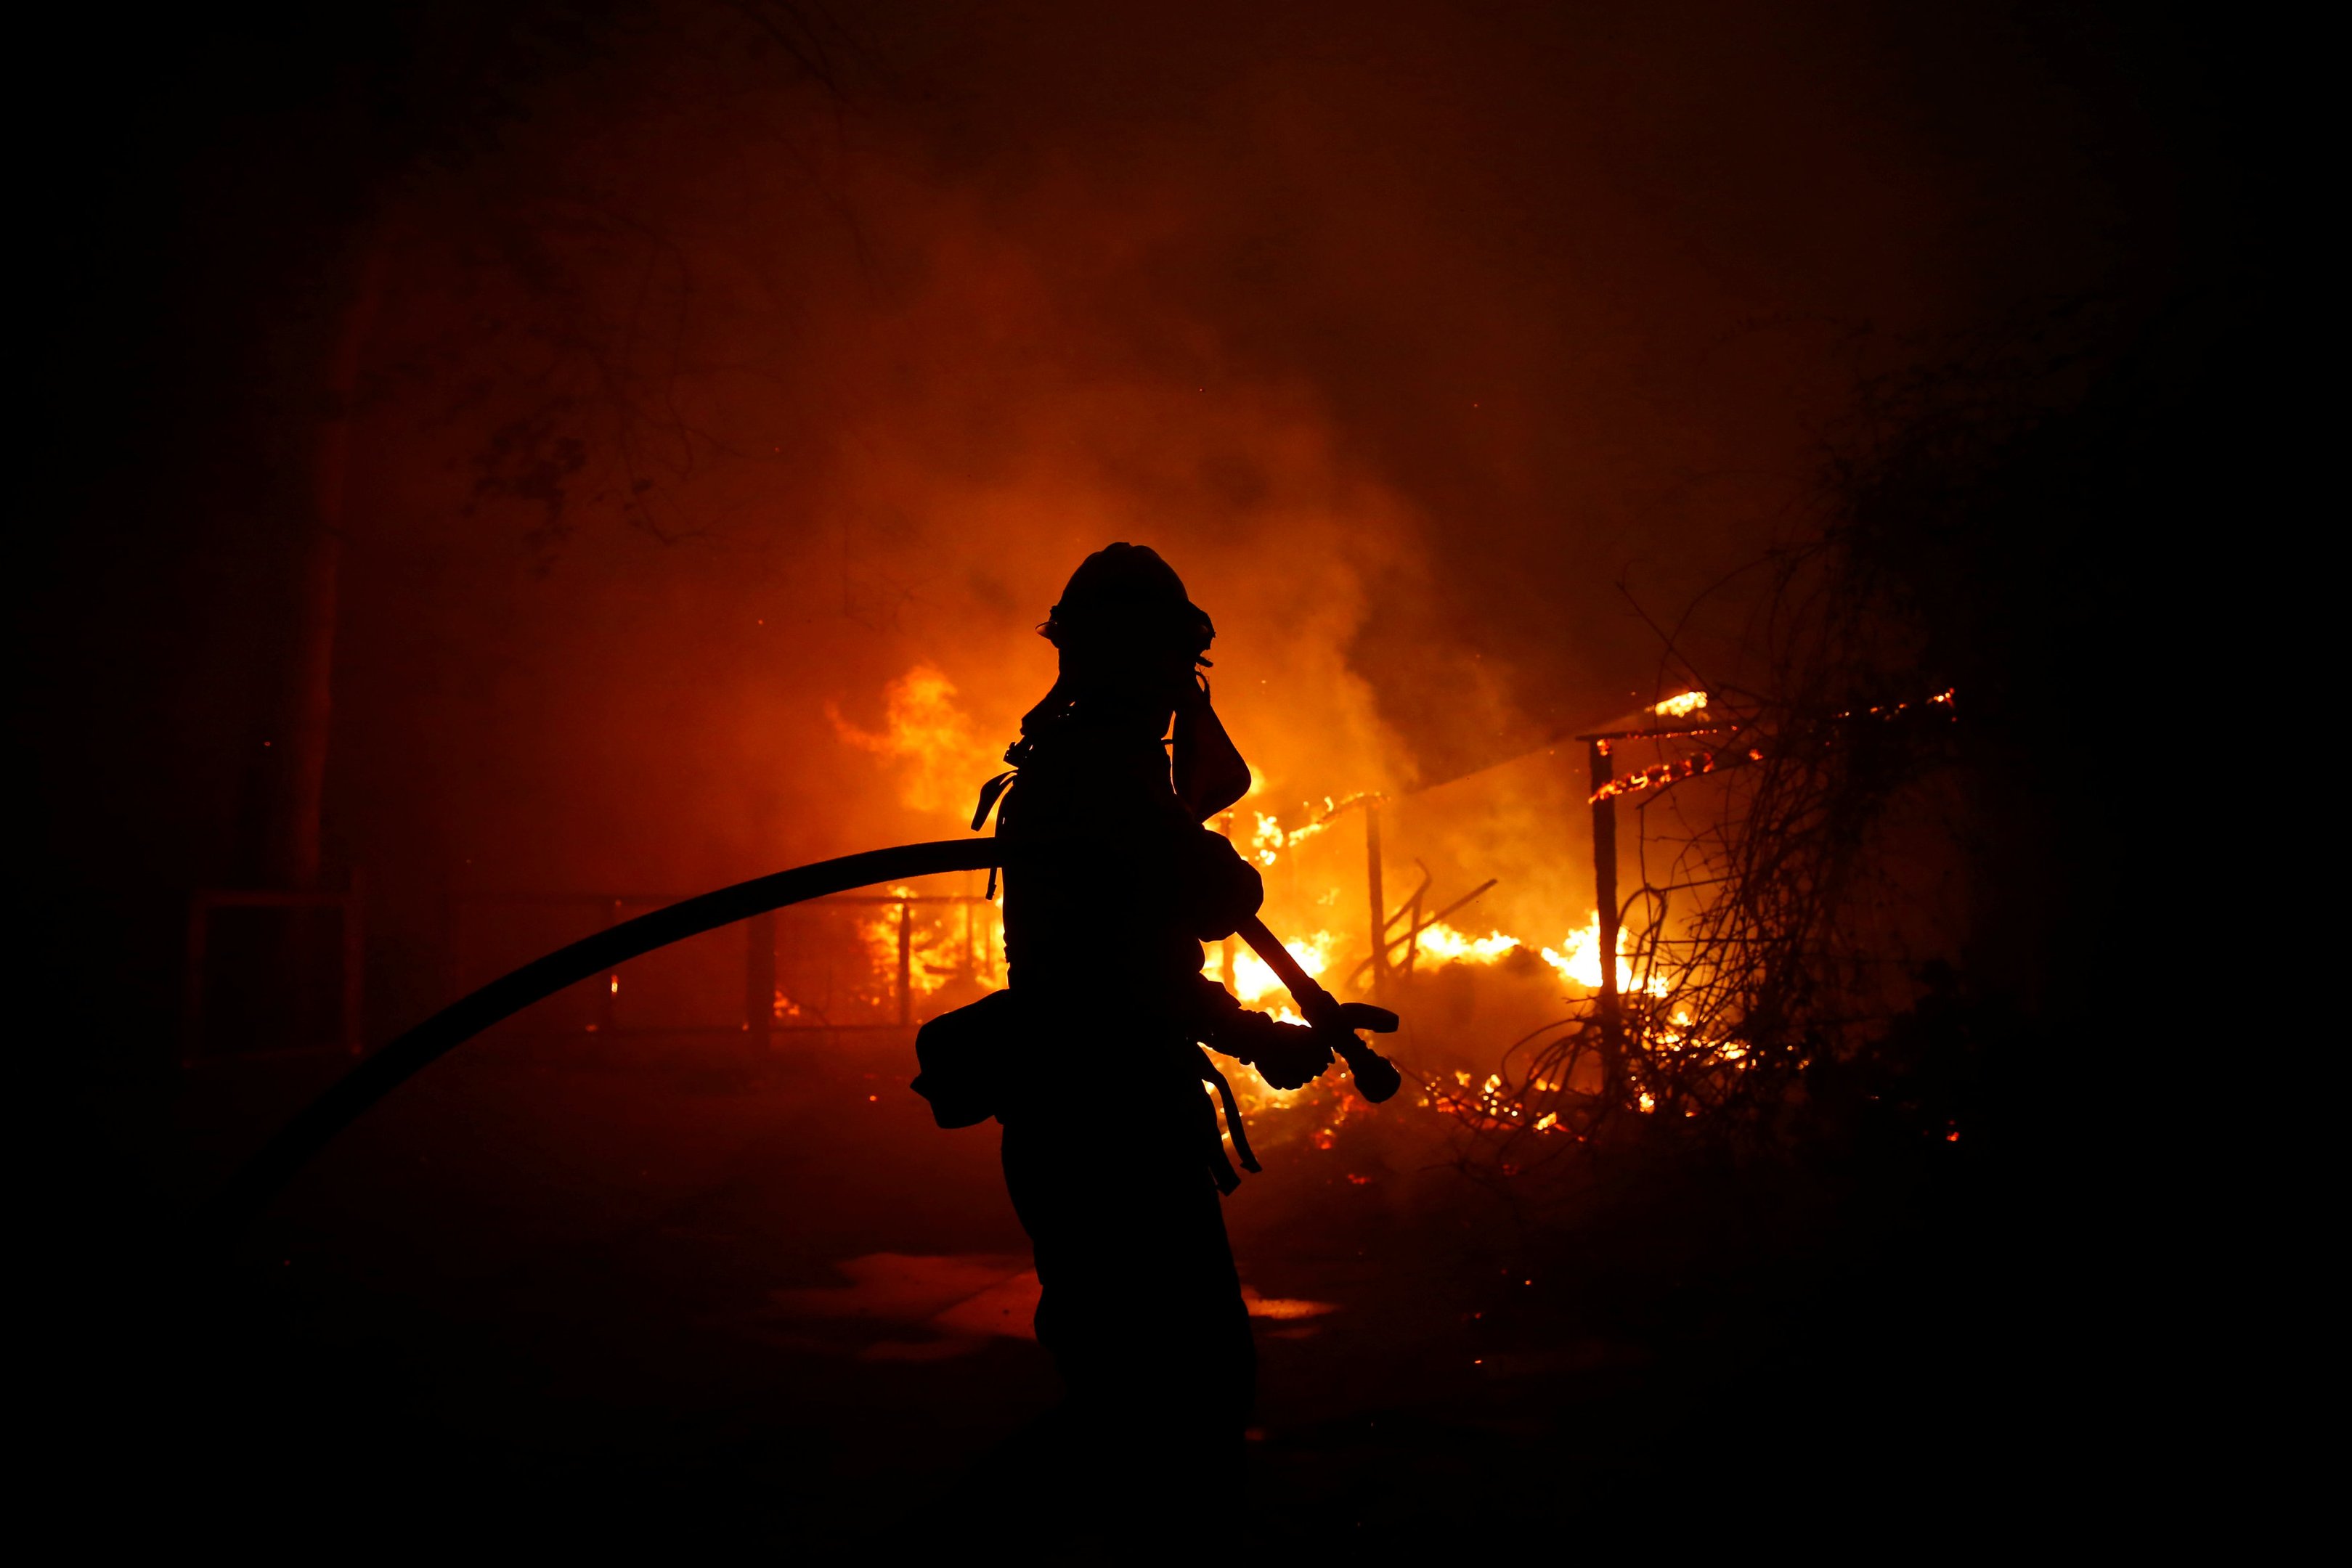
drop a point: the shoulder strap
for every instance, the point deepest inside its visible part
(1225, 1088)
(989, 794)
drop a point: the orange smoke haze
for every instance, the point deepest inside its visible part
(1405, 338)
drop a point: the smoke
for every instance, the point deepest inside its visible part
(736, 431)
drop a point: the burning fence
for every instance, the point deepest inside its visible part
(1710, 989)
(1699, 993)
(1614, 981)
(891, 959)
(1330, 898)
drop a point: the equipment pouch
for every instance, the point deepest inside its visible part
(966, 1060)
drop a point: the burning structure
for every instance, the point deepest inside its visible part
(1704, 1003)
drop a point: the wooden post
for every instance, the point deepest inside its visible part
(759, 976)
(1604, 895)
(906, 965)
(1379, 900)
(1412, 929)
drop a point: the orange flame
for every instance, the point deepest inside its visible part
(1443, 944)
(935, 751)
(1578, 959)
(1253, 980)
(1680, 706)
(940, 757)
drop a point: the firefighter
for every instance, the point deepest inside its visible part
(1110, 1144)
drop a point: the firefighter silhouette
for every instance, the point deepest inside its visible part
(1092, 1057)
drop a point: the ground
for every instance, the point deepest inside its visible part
(672, 1291)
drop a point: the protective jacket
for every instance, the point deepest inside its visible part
(1103, 930)
(1111, 1150)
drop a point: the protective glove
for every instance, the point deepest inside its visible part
(1286, 1055)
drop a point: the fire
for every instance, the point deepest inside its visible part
(1442, 942)
(951, 950)
(1491, 1100)
(1662, 773)
(950, 941)
(1578, 959)
(1680, 706)
(1268, 839)
(1253, 980)
(938, 751)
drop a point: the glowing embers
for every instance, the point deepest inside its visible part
(1942, 699)
(1491, 1101)
(1657, 774)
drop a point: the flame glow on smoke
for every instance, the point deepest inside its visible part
(940, 758)
(931, 749)
(933, 746)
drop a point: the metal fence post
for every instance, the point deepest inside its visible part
(1604, 896)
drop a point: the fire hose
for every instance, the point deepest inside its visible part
(1376, 1076)
(263, 1177)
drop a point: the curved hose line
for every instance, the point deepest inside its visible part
(262, 1177)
